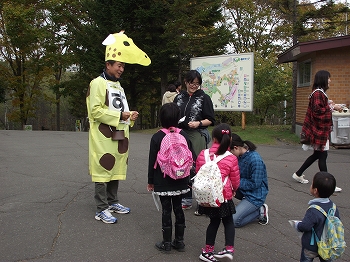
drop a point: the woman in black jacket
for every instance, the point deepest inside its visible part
(197, 113)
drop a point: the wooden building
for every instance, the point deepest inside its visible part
(331, 54)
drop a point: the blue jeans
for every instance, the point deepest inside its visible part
(187, 198)
(246, 212)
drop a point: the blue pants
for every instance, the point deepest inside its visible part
(246, 212)
(308, 256)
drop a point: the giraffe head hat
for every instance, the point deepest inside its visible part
(121, 48)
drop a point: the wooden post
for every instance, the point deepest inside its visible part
(243, 120)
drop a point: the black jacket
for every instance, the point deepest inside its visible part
(155, 176)
(196, 107)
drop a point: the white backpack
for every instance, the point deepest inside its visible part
(208, 186)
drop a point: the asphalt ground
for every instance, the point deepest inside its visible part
(47, 207)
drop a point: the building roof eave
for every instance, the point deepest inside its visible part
(301, 49)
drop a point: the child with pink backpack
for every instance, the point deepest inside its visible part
(230, 177)
(170, 161)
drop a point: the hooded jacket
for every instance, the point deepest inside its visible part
(228, 167)
(168, 97)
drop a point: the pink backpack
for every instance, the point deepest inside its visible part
(174, 157)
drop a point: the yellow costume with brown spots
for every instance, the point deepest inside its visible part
(107, 158)
(105, 101)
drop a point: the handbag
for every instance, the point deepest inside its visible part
(304, 139)
(117, 135)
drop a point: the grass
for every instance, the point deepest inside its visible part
(260, 135)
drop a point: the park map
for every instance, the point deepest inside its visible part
(228, 80)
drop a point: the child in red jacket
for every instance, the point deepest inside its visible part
(228, 166)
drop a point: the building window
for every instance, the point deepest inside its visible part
(304, 74)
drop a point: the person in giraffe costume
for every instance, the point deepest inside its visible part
(110, 119)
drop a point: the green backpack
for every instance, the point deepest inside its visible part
(332, 244)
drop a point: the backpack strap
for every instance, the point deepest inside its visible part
(331, 212)
(171, 129)
(319, 209)
(219, 158)
(216, 159)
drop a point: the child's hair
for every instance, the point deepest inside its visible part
(222, 133)
(325, 184)
(171, 88)
(237, 141)
(177, 84)
(169, 115)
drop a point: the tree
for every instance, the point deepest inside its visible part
(257, 27)
(170, 32)
(194, 29)
(319, 21)
(273, 91)
(3, 84)
(22, 32)
(58, 50)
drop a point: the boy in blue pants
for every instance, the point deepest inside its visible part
(322, 188)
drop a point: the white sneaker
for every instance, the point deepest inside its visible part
(106, 217)
(264, 219)
(300, 179)
(337, 189)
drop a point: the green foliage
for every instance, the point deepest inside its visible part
(170, 32)
(23, 32)
(267, 134)
(272, 89)
(311, 21)
(76, 89)
(3, 82)
(258, 27)
(40, 39)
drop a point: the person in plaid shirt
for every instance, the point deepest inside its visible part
(253, 187)
(318, 125)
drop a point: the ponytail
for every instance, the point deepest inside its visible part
(222, 133)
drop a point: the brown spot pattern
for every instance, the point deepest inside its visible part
(123, 146)
(107, 161)
(105, 130)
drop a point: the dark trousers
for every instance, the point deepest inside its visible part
(106, 194)
(213, 227)
(322, 162)
(170, 203)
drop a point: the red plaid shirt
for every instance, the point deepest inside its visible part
(318, 120)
